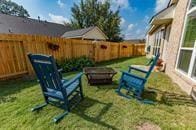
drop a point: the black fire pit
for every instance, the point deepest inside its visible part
(99, 75)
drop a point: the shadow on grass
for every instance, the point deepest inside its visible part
(70, 74)
(169, 98)
(96, 118)
(150, 95)
(8, 88)
(108, 87)
(105, 63)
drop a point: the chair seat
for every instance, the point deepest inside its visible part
(132, 81)
(64, 80)
(58, 94)
(142, 67)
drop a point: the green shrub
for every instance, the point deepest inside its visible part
(75, 64)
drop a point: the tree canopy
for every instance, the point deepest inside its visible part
(94, 13)
(11, 8)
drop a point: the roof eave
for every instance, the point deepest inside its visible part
(162, 18)
(161, 21)
(72, 36)
(156, 24)
(172, 2)
(169, 9)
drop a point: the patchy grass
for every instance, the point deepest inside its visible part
(102, 108)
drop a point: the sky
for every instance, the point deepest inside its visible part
(135, 14)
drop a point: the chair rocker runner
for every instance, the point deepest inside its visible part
(56, 91)
(135, 83)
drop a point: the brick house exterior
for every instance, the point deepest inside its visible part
(166, 36)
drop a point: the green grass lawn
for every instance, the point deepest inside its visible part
(102, 108)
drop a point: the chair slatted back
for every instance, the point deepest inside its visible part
(154, 62)
(46, 71)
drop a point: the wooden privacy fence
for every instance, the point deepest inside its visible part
(14, 50)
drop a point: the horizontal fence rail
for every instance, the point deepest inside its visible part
(14, 49)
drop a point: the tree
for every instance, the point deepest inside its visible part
(94, 13)
(11, 8)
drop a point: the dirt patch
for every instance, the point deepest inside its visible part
(148, 126)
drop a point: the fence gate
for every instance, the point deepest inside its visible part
(12, 58)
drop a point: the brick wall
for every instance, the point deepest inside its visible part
(173, 47)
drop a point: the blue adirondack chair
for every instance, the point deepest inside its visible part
(56, 91)
(133, 82)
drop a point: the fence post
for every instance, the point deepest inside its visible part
(93, 50)
(26, 41)
(72, 51)
(119, 50)
(134, 52)
(109, 49)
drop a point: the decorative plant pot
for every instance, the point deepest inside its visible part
(124, 46)
(53, 46)
(103, 47)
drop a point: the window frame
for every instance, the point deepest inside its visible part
(193, 49)
(194, 65)
(156, 48)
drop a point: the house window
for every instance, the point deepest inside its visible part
(157, 42)
(193, 3)
(194, 70)
(184, 60)
(187, 55)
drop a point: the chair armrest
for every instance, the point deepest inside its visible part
(78, 76)
(137, 69)
(150, 62)
(135, 76)
(60, 70)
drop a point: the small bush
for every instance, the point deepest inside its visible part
(75, 64)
